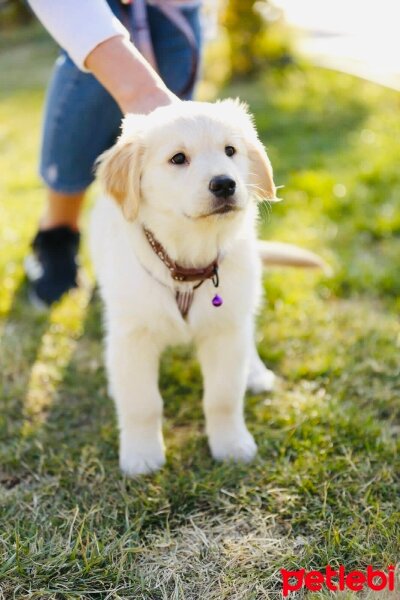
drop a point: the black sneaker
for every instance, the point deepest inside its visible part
(52, 268)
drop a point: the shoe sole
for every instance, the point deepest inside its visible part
(37, 303)
(32, 268)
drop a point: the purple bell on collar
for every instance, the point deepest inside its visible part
(217, 300)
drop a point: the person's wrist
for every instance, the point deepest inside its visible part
(146, 101)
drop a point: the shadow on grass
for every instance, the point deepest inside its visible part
(20, 343)
(77, 442)
(81, 414)
(303, 436)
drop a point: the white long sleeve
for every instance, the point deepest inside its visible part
(78, 26)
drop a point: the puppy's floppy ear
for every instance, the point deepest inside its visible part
(119, 170)
(261, 171)
(261, 174)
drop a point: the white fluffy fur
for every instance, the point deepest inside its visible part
(142, 317)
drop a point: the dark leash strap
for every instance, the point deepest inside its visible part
(139, 27)
(141, 32)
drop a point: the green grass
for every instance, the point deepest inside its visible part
(325, 487)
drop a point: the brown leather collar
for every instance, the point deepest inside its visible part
(179, 273)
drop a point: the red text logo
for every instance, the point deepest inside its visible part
(337, 580)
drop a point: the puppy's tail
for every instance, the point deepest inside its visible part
(289, 255)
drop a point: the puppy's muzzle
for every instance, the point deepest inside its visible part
(223, 188)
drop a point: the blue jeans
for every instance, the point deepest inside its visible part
(82, 119)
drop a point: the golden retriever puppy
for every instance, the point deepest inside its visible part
(176, 255)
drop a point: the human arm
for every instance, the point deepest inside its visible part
(97, 42)
(129, 78)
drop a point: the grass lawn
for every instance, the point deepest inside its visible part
(325, 487)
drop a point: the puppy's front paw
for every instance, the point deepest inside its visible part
(141, 459)
(261, 380)
(237, 446)
(141, 464)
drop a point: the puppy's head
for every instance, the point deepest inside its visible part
(193, 160)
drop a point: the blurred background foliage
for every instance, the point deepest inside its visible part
(14, 12)
(257, 37)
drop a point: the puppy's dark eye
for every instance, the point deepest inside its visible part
(179, 159)
(229, 150)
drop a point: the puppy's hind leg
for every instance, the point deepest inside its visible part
(224, 361)
(259, 377)
(132, 363)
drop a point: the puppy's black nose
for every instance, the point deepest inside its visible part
(222, 186)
